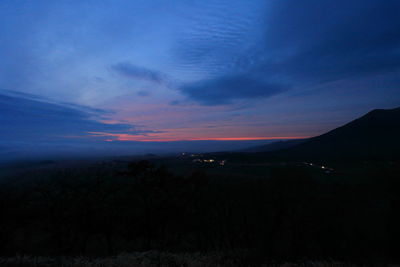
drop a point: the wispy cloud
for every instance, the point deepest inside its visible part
(139, 73)
(225, 90)
(26, 118)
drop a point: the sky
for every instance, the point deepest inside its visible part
(112, 74)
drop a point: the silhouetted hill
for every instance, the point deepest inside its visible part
(275, 146)
(374, 135)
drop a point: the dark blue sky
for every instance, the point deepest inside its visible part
(87, 72)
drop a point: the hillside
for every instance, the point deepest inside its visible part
(374, 135)
(275, 146)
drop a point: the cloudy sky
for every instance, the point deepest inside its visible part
(157, 70)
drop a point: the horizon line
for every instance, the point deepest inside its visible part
(130, 139)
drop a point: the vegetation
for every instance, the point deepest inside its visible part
(290, 214)
(152, 259)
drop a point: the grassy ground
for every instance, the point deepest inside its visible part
(155, 259)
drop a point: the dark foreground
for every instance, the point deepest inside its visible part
(283, 213)
(159, 259)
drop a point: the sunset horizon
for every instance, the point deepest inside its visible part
(87, 73)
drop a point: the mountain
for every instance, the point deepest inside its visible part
(374, 135)
(275, 146)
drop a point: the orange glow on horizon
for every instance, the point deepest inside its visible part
(141, 138)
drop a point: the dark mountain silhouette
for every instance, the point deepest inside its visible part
(374, 135)
(275, 146)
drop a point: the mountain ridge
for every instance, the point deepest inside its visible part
(374, 135)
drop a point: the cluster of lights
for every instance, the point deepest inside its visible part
(220, 162)
(326, 169)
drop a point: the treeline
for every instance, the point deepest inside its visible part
(289, 214)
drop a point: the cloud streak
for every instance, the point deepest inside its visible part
(27, 119)
(139, 73)
(225, 90)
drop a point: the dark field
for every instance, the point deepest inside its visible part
(249, 212)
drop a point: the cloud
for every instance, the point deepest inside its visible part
(139, 73)
(30, 119)
(225, 90)
(301, 45)
(217, 35)
(143, 93)
(321, 41)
